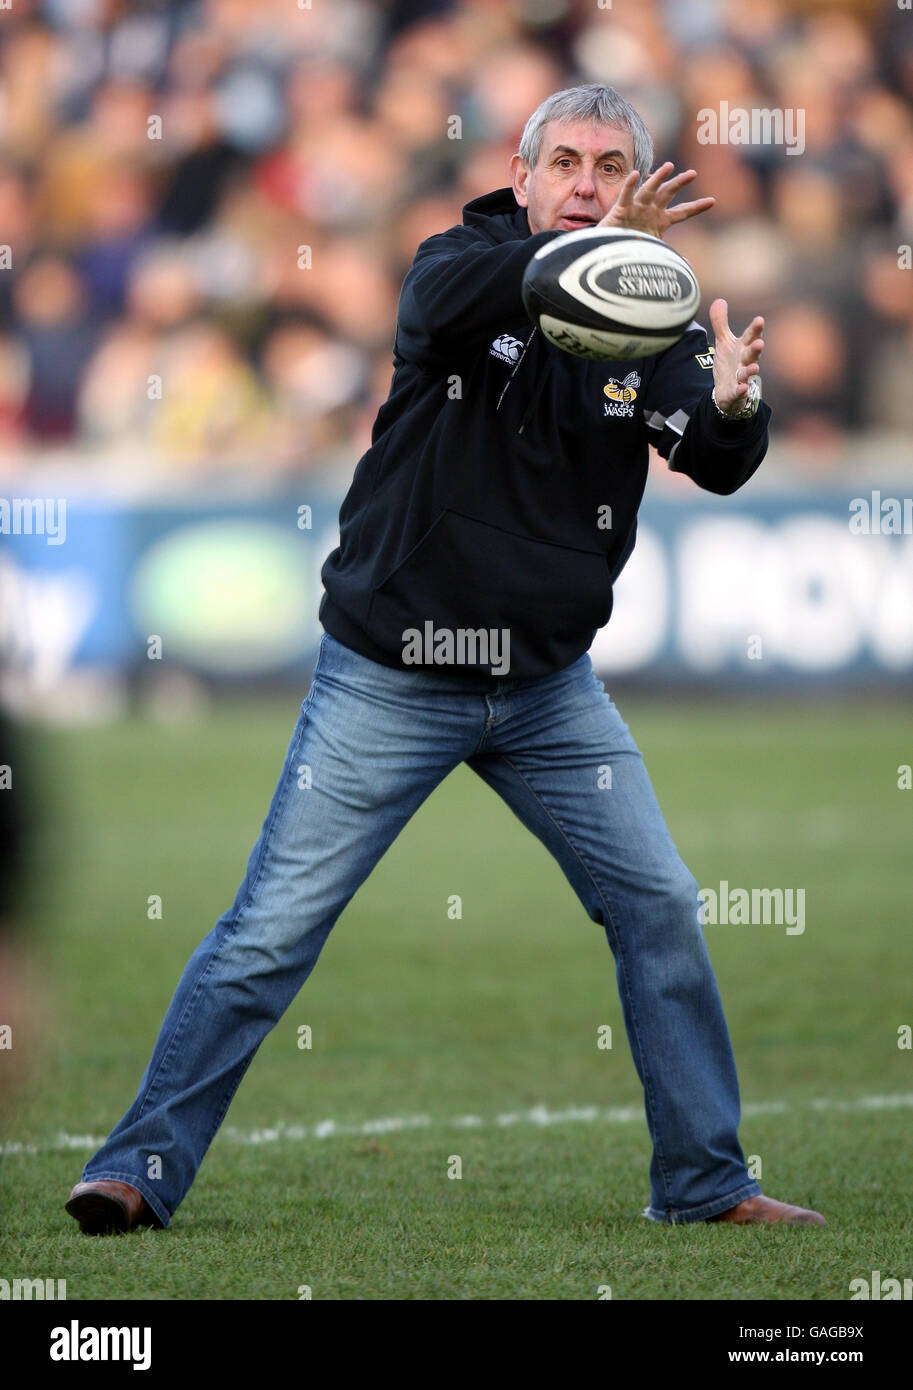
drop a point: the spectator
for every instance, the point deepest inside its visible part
(180, 252)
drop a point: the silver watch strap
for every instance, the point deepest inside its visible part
(752, 401)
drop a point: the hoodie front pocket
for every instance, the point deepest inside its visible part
(469, 574)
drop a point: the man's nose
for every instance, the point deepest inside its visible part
(585, 186)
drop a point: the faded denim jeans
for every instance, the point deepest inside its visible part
(378, 740)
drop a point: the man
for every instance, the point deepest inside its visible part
(471, 576)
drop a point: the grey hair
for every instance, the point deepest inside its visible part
(591, 102)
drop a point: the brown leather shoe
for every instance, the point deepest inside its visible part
(106, 1208)
(764, 1211)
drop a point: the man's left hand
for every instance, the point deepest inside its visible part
(644, 207)
(735, 360)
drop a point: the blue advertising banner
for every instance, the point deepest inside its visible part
(797, 587)
(779, 588)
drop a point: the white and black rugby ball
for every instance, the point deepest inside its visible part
(610, 294)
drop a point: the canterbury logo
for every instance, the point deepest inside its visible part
(623, 391)
(507, 348)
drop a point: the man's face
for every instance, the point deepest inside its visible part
(578, 176)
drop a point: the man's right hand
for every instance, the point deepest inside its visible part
(647, 209)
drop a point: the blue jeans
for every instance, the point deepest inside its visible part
(377, 741)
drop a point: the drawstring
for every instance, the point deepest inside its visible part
(516, 368)
(536, 395)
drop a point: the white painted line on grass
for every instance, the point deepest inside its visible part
(538, 1115)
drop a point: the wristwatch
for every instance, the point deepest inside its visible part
(752, 401)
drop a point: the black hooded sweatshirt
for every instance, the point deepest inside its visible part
(501, 487)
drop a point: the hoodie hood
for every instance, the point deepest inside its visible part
(497, 215)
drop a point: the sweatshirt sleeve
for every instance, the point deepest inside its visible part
(458, 290)
(685, 426)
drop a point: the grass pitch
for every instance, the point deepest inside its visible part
(476, 1038)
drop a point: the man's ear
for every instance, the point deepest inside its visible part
(518, 177)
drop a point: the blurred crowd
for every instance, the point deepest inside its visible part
(209, 206)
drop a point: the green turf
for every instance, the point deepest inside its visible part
(414, 1014)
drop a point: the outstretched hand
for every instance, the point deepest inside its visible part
(647, 209)
(735, 360)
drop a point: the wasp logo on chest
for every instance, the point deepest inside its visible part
(621, 396)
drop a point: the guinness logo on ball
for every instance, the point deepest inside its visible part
(637, 280)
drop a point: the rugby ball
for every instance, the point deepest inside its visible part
(610, 294)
